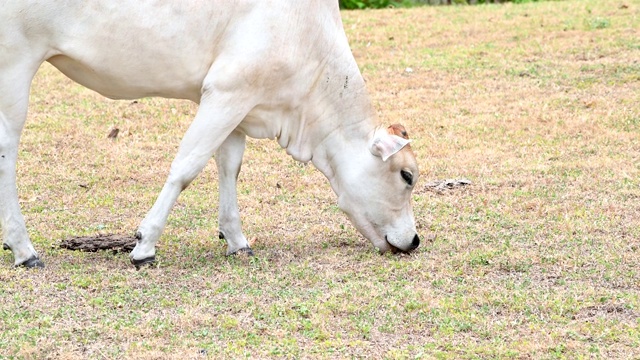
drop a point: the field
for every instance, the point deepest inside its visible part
(537, 104)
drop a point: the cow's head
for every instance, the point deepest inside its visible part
(376, 193)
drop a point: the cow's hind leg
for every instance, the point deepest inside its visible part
(221, 109)
(14, 97)
(229, 160)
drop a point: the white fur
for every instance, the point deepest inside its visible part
(266, 69)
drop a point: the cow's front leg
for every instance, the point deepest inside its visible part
(229, 159)
(218, 115)
(14, 96)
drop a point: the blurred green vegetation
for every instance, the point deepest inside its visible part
(379, 4)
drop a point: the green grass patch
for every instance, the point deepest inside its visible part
(537, 104)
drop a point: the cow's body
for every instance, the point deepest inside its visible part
(266, 69)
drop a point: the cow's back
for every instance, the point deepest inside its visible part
(165, 48)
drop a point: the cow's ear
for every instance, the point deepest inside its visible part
(384, 144)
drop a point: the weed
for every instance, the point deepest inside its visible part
(596, 23)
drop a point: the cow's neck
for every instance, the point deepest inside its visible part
(337, 119)
(346, 123)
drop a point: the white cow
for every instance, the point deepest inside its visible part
(262, 68)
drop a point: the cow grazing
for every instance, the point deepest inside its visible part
(260, 68)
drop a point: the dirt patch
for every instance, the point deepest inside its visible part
(616, 311)
(440, 186)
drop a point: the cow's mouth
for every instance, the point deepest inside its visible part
(393, 249)
(369, 231)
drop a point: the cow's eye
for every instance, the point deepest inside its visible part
(407, 176)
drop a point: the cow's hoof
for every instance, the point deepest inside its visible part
(142, 262)
(244, 251)
(220, 235)
(32, 263)
(5, 247)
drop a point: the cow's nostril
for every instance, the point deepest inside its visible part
(416, 242)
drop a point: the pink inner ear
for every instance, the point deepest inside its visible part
(385, 145)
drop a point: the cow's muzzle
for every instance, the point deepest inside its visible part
(415, 243)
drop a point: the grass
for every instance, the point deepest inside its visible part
(538, 104)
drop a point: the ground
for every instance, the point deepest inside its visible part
(538, 105)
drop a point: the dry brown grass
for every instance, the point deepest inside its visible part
(537, 104)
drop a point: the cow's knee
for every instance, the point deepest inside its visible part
(8, 142)
(184, 171)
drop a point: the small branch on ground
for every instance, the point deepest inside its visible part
(114, 242)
